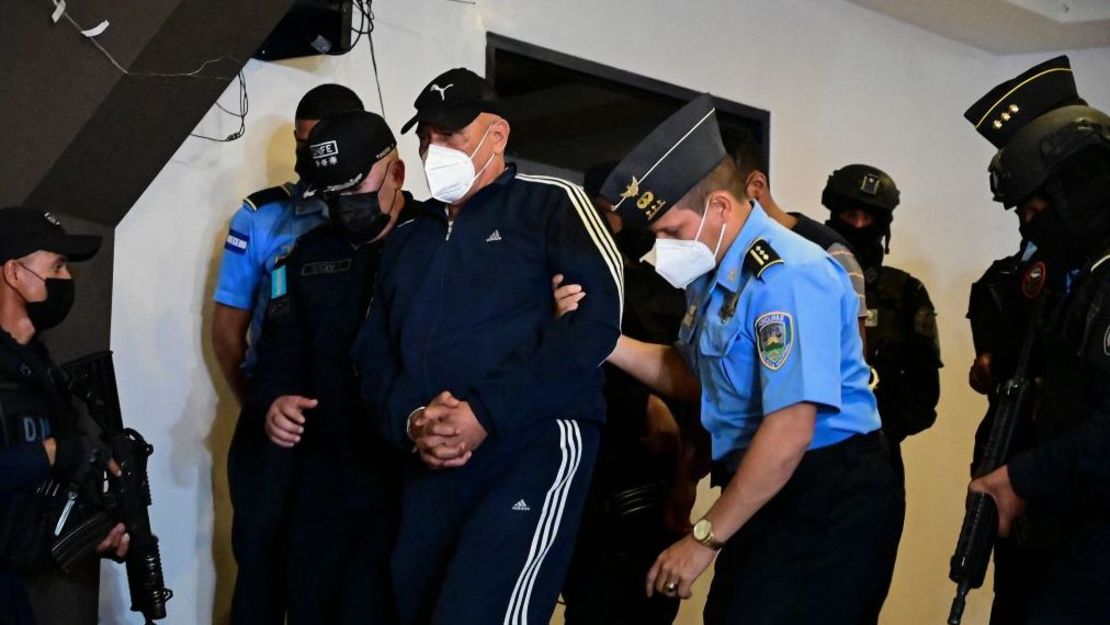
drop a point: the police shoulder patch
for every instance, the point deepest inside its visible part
(1032, 283)
(774, 338)
(237, 242)
(760, 256)
(261, 198)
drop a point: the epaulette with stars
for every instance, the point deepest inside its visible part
(760, 256)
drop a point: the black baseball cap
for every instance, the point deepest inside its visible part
(343, 148)
(25, 230)
(453, 99)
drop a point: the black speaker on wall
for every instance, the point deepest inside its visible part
(310, 28)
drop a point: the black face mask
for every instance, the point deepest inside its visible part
(1051, 236)
(52, 310)
(634, 241)
(866, 241)
(359, 215)
(303, 164)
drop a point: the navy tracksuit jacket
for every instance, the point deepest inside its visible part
(466, 306)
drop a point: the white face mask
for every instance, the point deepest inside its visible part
(450, 172)
(681, 262)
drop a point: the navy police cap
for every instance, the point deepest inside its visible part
(1010, 106)
(677, 155)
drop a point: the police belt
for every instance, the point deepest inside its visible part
(846, 451)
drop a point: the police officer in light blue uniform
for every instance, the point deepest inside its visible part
(745, 327)
(261, 233)
(810, 507)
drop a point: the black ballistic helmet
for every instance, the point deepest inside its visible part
(861, 186)
(1039, 149)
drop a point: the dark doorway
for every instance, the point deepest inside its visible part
(568, 114)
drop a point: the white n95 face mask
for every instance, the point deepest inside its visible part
(450, 172)
(680, 262)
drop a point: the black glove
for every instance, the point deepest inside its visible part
(77, 457)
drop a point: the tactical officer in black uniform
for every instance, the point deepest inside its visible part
(1053, 164)
(345, 477)
(902, 344)
(46, 444)
(1000, 307)
(651, 456)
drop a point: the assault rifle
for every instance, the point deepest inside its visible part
(123, 499)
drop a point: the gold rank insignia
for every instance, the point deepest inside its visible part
(632, 190)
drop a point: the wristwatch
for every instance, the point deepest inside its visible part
(703, 533)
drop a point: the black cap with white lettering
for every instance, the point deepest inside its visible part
(343, 148)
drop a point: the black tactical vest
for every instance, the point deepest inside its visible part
(29, 393)
(903, 348)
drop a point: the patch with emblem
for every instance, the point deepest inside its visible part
(774, 332)
(925, 325)
(237, 242)
(1032, 283)
(326, 267)
(925, 322)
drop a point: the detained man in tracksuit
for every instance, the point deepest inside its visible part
(465, 364)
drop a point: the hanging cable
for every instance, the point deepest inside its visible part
(366, 27)
(198, 73)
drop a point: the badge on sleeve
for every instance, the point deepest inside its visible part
(1032, 283)
(237, 242)
(774, 333)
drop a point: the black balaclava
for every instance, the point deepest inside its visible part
(870, 243)
(1076, 225)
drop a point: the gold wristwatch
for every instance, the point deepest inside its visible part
(703, 533)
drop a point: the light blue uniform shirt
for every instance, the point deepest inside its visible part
(765, 334)
(262, 232)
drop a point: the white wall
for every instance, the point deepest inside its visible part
(843, 85)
